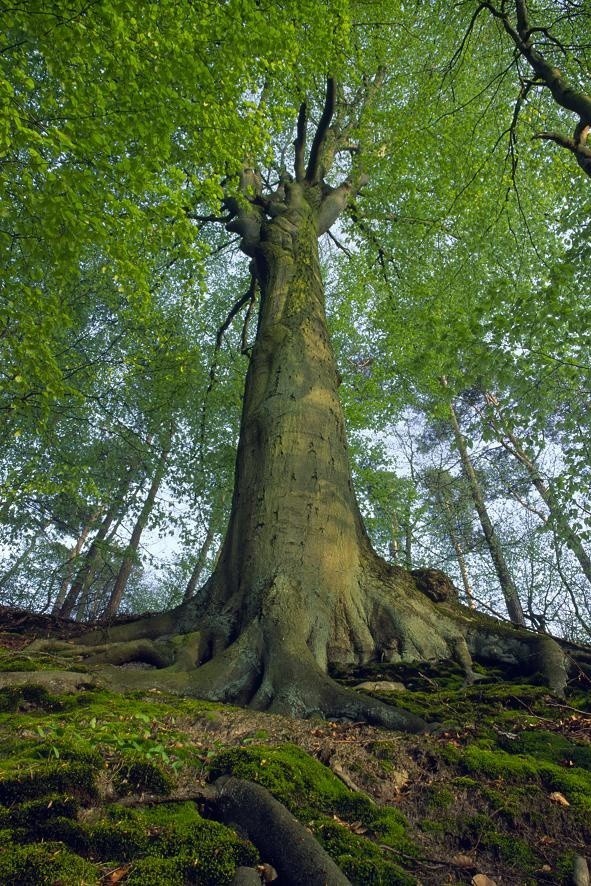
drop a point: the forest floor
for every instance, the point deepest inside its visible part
(100, 787)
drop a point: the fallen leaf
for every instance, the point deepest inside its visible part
(559, 798)
(482, 880)
(117, 875)
(463, 861)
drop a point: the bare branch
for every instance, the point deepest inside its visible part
(315, 171)
(300, 143)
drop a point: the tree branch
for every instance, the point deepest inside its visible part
(315, 171)
(300, 143)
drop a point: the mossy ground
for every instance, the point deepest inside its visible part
(97, 787)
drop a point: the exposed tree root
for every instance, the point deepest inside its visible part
(277, 661)
(279, 837)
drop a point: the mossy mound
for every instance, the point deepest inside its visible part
(45, 865)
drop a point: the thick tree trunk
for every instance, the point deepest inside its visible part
(508, 588)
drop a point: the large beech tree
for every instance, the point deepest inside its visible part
(273, 120)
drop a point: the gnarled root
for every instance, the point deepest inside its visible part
(279, 837)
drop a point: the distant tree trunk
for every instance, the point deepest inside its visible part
(508, 588)
(74, 554)
(559, 522)
(89, 565)
(140, 524)
(456, 544)
(195, 577)
(402, 525)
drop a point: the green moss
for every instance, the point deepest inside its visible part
(550, 746)
(44, 865)
(76, 779)
(137, 776)
(439, 797)
(37, 812)
(292, 776)
(575, 782)
(18, 663)
(209, 851)
(360, 860)
(311, 791)
(431, 826)
(157, 871)
(481, 830)
(28, 697)
(123, 840)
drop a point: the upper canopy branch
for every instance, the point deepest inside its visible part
(316, 171)
(300, 143)
(547, 74)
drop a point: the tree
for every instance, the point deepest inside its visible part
(297, 587)
(506, 582)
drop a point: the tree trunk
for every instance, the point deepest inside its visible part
(136, 535)
(87, 570)
(74, 554)
(508, 588)
(194, 578)
(456, 545)
(546, 493)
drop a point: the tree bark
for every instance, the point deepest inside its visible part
(565, 531)
(508, 588)
(297, 587)
(194, 578)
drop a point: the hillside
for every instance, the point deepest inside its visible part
(99, 787)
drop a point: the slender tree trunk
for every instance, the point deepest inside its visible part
(74, 554)
(136, 535)
(457, 546)
(559, 522)
(407, 541)
(508, 588)
(88, 568)
(199, 566)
